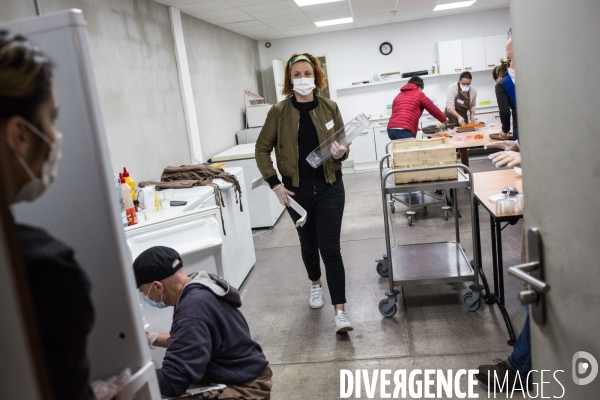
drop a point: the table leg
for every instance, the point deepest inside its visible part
(464, 156)
(477, 257)
(500, 263)
(499, 277)
(494, 253)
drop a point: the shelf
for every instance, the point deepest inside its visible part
(389, 82)
(426, 263)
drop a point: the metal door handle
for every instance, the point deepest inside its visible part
(532, 272)
(520, 271)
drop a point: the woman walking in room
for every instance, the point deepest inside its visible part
(294, 128)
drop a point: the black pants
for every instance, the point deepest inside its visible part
(324, 204)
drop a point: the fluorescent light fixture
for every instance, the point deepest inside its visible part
(303, 3)
(449, 6)
(334, 22)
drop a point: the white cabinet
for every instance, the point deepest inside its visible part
(450, 56)
(473, 53)
(363, 148)
(495, 49)
(381, 138)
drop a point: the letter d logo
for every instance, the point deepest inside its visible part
(583, 367)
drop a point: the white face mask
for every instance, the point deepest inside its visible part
(36, 186)
(304, 86)
(465, 88)
(511, 72)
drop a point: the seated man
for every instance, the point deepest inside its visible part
(209, 339)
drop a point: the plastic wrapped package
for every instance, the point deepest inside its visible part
(343, 136)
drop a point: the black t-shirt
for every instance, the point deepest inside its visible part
(308, 140)
(64, 311)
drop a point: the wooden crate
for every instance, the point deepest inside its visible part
(405, 155)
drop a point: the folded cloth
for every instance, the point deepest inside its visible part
(187, 176)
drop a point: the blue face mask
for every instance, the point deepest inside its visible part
(157, 304)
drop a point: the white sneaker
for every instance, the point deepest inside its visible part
(342, 322)
(316, 297)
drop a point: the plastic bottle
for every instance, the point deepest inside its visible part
(129, 181)
(121, 201)
(129, 207)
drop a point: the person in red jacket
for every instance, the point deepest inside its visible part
(408, 107)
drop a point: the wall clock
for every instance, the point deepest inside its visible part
(385, 48)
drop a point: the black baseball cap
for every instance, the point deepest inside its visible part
(155, 264)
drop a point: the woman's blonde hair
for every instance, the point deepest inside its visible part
(288, 86)
(25, 77)
(500, 69)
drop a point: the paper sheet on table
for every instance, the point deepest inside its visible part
(295, 206)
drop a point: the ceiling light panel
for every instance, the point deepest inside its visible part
(331, 22)
(449, 6)
(205, 7)
(304, 3)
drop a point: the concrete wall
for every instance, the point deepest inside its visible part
(134, 63)
(222, 64)
(353, 55)
(16, 9)
(135, 68)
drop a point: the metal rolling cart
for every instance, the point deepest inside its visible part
(418, 200)
(428, 263)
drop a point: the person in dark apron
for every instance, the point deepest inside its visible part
(461, 100)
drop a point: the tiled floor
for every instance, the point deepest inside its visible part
(430, 330)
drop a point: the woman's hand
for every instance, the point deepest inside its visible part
(461, 120)
(505, 135)
(338, 151)
(506, 158)
(510, 145)
(282, 194)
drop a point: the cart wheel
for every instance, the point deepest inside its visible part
(468, 302)
(392, 207)
(382, 270)
(382, 309)
(446, 215)
(410, 220)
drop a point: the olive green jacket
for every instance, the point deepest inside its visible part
(280, 132)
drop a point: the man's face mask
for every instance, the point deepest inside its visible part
(35, 187)
(157, 304)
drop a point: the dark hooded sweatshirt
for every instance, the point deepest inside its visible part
(210, 339)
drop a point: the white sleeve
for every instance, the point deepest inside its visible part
(451, 96)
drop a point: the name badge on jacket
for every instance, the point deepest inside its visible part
(459, 101)
(329, 125)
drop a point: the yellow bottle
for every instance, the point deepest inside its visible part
(130, 182)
